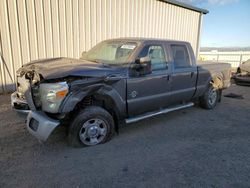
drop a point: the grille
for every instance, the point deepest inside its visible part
(21, 83)
(36, 96)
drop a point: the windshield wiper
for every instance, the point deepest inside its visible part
(100, 62)
(93, 60)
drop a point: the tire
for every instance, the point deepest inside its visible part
(210, 98)
(91, 126)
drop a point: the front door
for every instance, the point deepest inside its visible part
(149, 92)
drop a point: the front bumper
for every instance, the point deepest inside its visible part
(18, 104)
(40, 125)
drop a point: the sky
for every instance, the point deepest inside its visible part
(226, 25)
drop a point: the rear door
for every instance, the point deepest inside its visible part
(184, 72)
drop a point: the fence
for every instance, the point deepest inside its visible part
(234, 58)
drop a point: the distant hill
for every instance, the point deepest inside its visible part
(224, 49)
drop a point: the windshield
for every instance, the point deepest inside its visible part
(112, 52)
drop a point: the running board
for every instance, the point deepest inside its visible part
(163, 111)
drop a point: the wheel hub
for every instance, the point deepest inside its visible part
(212, 97)
(92, 131)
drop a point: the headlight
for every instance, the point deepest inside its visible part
(52, 94)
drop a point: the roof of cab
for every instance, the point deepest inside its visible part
(143, 39)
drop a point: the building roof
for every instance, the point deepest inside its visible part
(184, 5)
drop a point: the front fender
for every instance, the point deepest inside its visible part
(118, 102)
(104, 91)
(76, 96)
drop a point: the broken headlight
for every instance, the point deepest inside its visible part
(52, 94)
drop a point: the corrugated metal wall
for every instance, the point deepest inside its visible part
(34, 29)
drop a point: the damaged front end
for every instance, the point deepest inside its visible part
(38, 99)
(35, 93)
(50, 89)
(21, 100)
(42, 99)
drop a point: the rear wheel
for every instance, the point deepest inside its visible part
(91, 126)
(210, 98)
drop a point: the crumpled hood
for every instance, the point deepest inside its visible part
(62, 67)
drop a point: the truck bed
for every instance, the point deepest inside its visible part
(223, 70)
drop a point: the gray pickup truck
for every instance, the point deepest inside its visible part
(119, 81)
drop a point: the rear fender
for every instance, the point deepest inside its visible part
(215, 80)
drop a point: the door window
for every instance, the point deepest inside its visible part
(157, 56)
(180, 56)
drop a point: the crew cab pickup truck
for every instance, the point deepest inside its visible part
(117, 82)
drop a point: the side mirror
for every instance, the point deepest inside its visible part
(145, 60)
(142, 66)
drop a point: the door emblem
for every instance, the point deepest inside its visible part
(133, 94)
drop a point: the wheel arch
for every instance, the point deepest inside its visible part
(217, 81)
(103, 96)
(104, 101)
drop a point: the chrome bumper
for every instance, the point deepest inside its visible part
(19, 105)
(40, 125)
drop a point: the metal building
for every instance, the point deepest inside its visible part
(35, 29)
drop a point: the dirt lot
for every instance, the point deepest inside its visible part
(191, 148)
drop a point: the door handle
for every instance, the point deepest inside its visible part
(166, 76)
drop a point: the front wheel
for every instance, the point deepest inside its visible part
(210, 98)
(91, 126)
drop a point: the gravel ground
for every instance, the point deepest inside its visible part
(188, 148)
